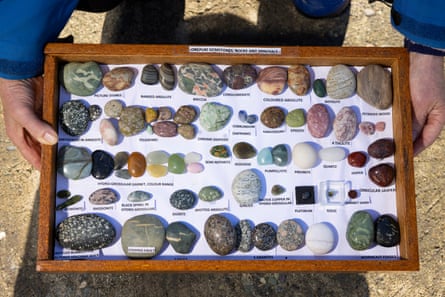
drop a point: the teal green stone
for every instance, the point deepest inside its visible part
(214, 116)
(295, 118)
(360, 231)
(210, 193)
(176, 164)
(74, 162)
(280, 155)
(319, 88)
(82, 79)
(265, 156)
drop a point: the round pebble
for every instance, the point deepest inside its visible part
(304, 156)
(264, 237)
(387, 231)
(295, 118)
(164, 113)
(220, 151)
(74, 117)
(149, 75)
(290, 235)
(103, 197)
(340, 82)
(187, 131)
(176, 164)
(103, 164)
(382, 148)
(192, 157)
(239, 76)
(119, 79)
(185, 114)
(357, 159)
(382, 174)
(272, 80)
(74, 162)
(183, 199)
(277, 190)
(244, 150)
(272, 117)
(360, 231)
(220, 235)
(374, 86)
(82, 79)
(195, 167)
(247, 187)
(113, 108)
(320, 238)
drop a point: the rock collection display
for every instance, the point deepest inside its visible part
(331, 126)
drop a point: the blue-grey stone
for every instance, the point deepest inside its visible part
(139, 196)
(180, 237)
(74, 162)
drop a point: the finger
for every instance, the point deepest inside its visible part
(429, 134)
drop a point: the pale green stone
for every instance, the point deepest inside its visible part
(214, 116)
(210, 193)
(82, 79)
(295, 118)
(360, 230)
(157, 157)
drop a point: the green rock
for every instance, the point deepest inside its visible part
(199, 79)
(360, 231)
(214, 116)
(220, 151)
(181, 237)
(295, 118)
(176, 164)
(82, 79)
(319, 88)
(210, 193)
(280, 155)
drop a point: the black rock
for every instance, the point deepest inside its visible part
(103, 164)
(264, 237)
(387, 231)
(74, 117)
(183, 199)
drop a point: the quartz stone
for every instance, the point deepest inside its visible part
(280, 155)
(108, 132)
(332, 154)
(139, 196)
(357, 159)
(272, 117)
(239, 76)
(382, 174)
(119, 79)
(149, 75)
(185, 114)
(304, 155)
(85, 232)
(220, 151)
(131, 121)
(199, 79)
(103, 197)
(264, 157)
(187, 131)
(387, 231)
(345, 124)
(360, 230)
(247, 187)
(264, 236)
(290, 235)
(120, 160)
(272, 80)
(192, 157)
(165, 129)
(183, 199)
(103, 164)
(157, 170)
(340, 82)
(176, 164)
(181, 237)
(82, 79)
(143, 236)
(74, 117)
(298, 79)
(244, 150)
(136, 164)
(382, 148)
(318, 120)
(151, 114)
(195, 167)
(214, 116)
(220, 234)
(374, 86)
(210, 193)
(244, 235)
(320, 238)
(167, 76)
(295, 118)
(157, 157)
(95, 112)
(113, 108)
(319, 88)
(74, 162)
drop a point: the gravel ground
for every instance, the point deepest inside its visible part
(227, 21)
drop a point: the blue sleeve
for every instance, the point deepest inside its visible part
(25, 27)
(420, 21)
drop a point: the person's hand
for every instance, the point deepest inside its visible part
(22, 104)
(427, 85)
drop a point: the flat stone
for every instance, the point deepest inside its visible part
(290, 235)
(360, 231)
(103, 197)
(244, 150)
(95, 112)
(103, 164)
(143, 236)
(181, 237)
(387, 231)
(157, 157)
(176, 164)
(120, 160)
(247, 187)
(273, 117)
(298, 79)
(210, 193)
(139, 196)
(119, 79)
(108, 132)
(199, 79)
(185, 114)
(304, 156)
(280, 155)
(318, 120)
(332, 154)
(320, 238)
(183, 199)
(214, 116)
(345, 124)
(220, 235)
(74, 117)
(382, 174)
(272, 80)
(382, 148)
(113, 108)
(264, 237)
(239, 76)
(82, 79)
(264, 156)
(74, 162)
(295, 118)
(131, 121)
(85, 232)
(374, 86)
(187, 131)
(156, 170)
(149, 75)
(136, 164)
(220, 151)
(340, 82)
(244, 234)
(165, 129)
(167, 76)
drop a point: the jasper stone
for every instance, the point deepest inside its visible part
(360, 231)
(340, 82)
(156, 170)
(187, 131)
(318, 120)
(131, 121)
(290, 235)
(136, 164)
(149, 75)
(185, 114)
(210, 193)
(220, 234)
(239, 76)
(247, 187)
(272, 80)
(113, 108)
(108, 132)
(176, 164)
(387, 231)
(165, 129)
(382, 174)
(280, 155)
(319, 88)
(183, 199)
(167, 76)
(374, 86)
(295, 118)
(381, 148)
(95, 112)
(264, 157)
(244, 150)
(103, 197)
(357, 159)
(82, 79)
(120, 160)
(264, 237)
(74, 162)
(157, 157)
(345, 124)
(214, 116)
(199, 79)
(143, 236)
(85, 232)
(103, 164)
(151, 114)
(320, 238)
(220, 151)
(272, 117)
(119, 79)
(304, 155)
(74, 117)
(139, 196)
(244, 234)
(332, 154)
(180, 237)
(299, 79)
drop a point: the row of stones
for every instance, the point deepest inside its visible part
(144, 236)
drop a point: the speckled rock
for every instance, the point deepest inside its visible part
(82, 79)
(183, 199)
(382, 174)
(273, 117)
(244, 235)
(345, 124)
(387, 231)
(167, 76)
(214, 116)
(318, 120)
(244, 150)
(360, 230)
(139, 196)
(181, 237)
(165, 129)
(131, 121)
(210, 193)
(74, 162)
(272, 80)
(298, 79)
(95, 112)
(108, 132)
(165, 113)
(374, 86)
(264, 236)
(340, 82)
(74, 117)
(103, 197)
(239, 76)
(119, 78)
(247, 187)
(113, 108)
(187, 131)
(185, 114)
(199, 79)
(149, 75)
(220, 234)
(103, 164)
(290, 235)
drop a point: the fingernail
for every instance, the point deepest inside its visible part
(49, 138)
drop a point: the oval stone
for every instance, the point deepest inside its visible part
(143, 236)
(103, 164)
(157, 157)
(382, 174)
(381, 148)
(149, 75)
(103, 197)
(165, 129)
(167, 76)
(74, 117)
(299, 79)
(332, 154)
(183, 199)
(318, 120)
(156, 170)
(367, 128)
(244, 150)
(108, 132)
(272, 80)
(264, 237)
(122, 173)
(176, 164)
(185, 114)
(192, 157)
(85, 232)
(195, 167)
(120, 160)
(272, 117)
(239, 76)
(220, 234)
(277, 190)
(131, 121)
(319, 88)
(139, 196)
(180, 237)
(320, 238)
(304, 156)
(95, 112)
(244, 234)
(214, 116)
(71, 201)
(295, 118)
(199, 79)
(374, 86)
(82, 79)
(387, 231)
(74, 162)
(345, 124)
(340, 82)
(210, 193)
(119, 79)
(360, 231)
(187, 131)
(264, 157)
(136, 164)
(280, 155)
(290, 235)
(220, 151)
(247, 187)
(113, 108)
(357, 159)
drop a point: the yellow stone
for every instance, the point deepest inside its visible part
(150, 115)
(156, 170)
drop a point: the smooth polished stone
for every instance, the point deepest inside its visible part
(157, 157)
(382, 148)
(108, 132)
(120, 160)
(119, 79)
(264, 156)
(360, 231)
(95, 112)
(280, 155)
(357, 159)
(320, 238)
(74, 162)
(122, 173)
(290, 235)
(131, 121)
(149, 75)
(251, 119)
(199, 79)
(242, 116)
(318, 120)
(220, 234)
(298, 79)
(295, 118)
(157, 170)
(183, 199)
(340, 82)
(277, 190)
(139, 196)
(71, 201)
(244, 231)
(167, 76)
(136, 164)
(380, 126)
(143, 236)
(387, 231)
(185, 114)
(374, 86)
(103, 197)
(244, 150)
(382, 174)
(176, 164)
(247, 187)
(103, 164)
(367, 128)
(113, 108)
(319, 88)
(192, 157)
(181, 237)
(304, 155)
(74, 117)
(165, 113)
(332, 154)
(165, 129)
(264, 236)
(272, 80)
(195, 167)
(210, 193)
(82, 79)
(273, 117)
(85, 232)
(345, 124)
(187, 131)
(151, 114)
(214, 116)
(63, 194)
(220, 151)
(239, 76)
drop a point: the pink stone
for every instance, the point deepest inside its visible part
(195, 167)
(108, 132)
(345, 124)
(318, 121)
(367, 128)
(380, 126)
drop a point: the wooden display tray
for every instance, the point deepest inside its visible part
(395, 58)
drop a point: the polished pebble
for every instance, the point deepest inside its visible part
(374, 86)
(187, 131)
(156, 170)
(181, 237)
(319, 88)
(304, 156)
(183, 199)
(167, 76)
(387, 231)
(320, 238)
(139, 196)
(210, 193)
(280, 155)
(214, 116)
(273, 117)
(244, 231)
(290, 235)
(132, 120)
(264, 156)
(382, 148)
(176, 164)
(192, 157)
(149, 75)
(244, 150)
(277, 190)
(151, 114)
(272, 80)
(119, 79)
(360, 230)
(95, 112)
(220, 234)
(295, 118)
(71, 201)
(199, 79)
(340, 82)
(247, 187)
(113, 108)
(108, 132)
(122, 173)
(74, 117)
(367, 128)
(120, 160)
(165, 129)
(194, 167)
(382, 174)
(136, 164)
(185, 114)
(165, 113)
(380, 126)
(103, 197)
(74, 162)
(239, 76)
(345, 124)
(103, 164)
(298, 79)
(157, 157)
(220, 151)
(251, 119)
(332, 154)
(63, 194)
(357, 159)
(82, 79)
(318, 120)
(264, 236)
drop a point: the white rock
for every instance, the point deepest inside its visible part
(304, 155)
(369, 12)
(108, 132)
(192, 157)
(247, 187)
(320, 238)
(332, 154)
(340, 82)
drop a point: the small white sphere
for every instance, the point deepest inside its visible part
(320, 238)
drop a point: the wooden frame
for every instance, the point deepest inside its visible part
(396, 58)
